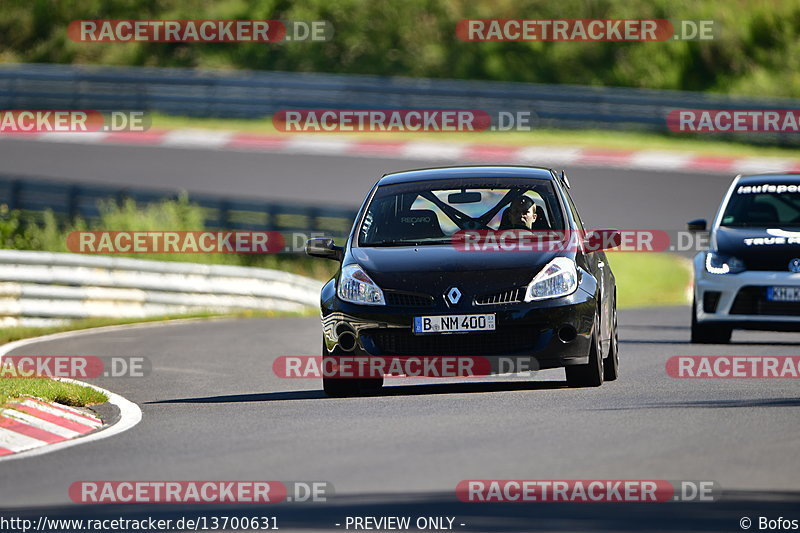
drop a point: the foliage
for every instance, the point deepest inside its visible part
(756, 53)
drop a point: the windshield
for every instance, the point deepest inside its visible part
(431, 212)
(763, 205)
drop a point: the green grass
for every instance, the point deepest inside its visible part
(616, 140)
(50, 390)
(755, 52)
(649, 279)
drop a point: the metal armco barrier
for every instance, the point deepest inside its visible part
(40, 287)
(68, 200)
(255, 94)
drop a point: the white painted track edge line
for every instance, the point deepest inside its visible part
(130, 413)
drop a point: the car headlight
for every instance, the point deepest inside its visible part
(356, 287)
(558, 278)
(723, 264)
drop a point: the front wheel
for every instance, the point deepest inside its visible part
(611, 363)
(340, 387)
(337, 387)
(591, 374)
(347, 387)
(708, 333)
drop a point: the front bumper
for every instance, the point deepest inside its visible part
(528, 332)
(739, 300)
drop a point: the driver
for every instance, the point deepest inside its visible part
(523, 213)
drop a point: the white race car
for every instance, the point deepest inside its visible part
(749, 278)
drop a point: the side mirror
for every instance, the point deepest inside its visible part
(565, 179)
(697, 225)
(324, 248)
(601, 239)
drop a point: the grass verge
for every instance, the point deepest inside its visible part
(649, 279)
(617, 140)
(50, 390)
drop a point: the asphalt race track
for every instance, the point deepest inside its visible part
(213, 409)
(606, 197)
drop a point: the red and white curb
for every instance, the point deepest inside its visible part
(31, 423)
(31, 427)
(324, 144)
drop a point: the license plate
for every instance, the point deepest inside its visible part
(453, 323)
(783, 294)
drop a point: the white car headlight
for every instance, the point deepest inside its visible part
(723, 264)
(558, 278)
(356, 287)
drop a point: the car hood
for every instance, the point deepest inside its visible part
(769, 248)
(435, 269)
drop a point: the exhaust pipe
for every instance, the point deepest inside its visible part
(347, 341)
(346, 337)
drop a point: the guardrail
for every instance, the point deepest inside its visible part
(69, 200)
(38, 288)
(253, 94)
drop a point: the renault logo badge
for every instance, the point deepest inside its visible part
(454, 295)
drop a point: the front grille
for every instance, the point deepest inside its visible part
(507, 341)
(753, 301)
(504, 297)
(711, 301)
(774, 261)
(407, 299)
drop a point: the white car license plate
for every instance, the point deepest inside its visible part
(453, 323)
(783, 294)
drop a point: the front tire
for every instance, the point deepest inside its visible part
(708, 333)
(591, 374)
(347, 387)
(340, 387)
(611, 362)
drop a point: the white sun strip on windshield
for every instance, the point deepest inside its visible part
(768, 188)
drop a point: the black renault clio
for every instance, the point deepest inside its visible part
(405, 288)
